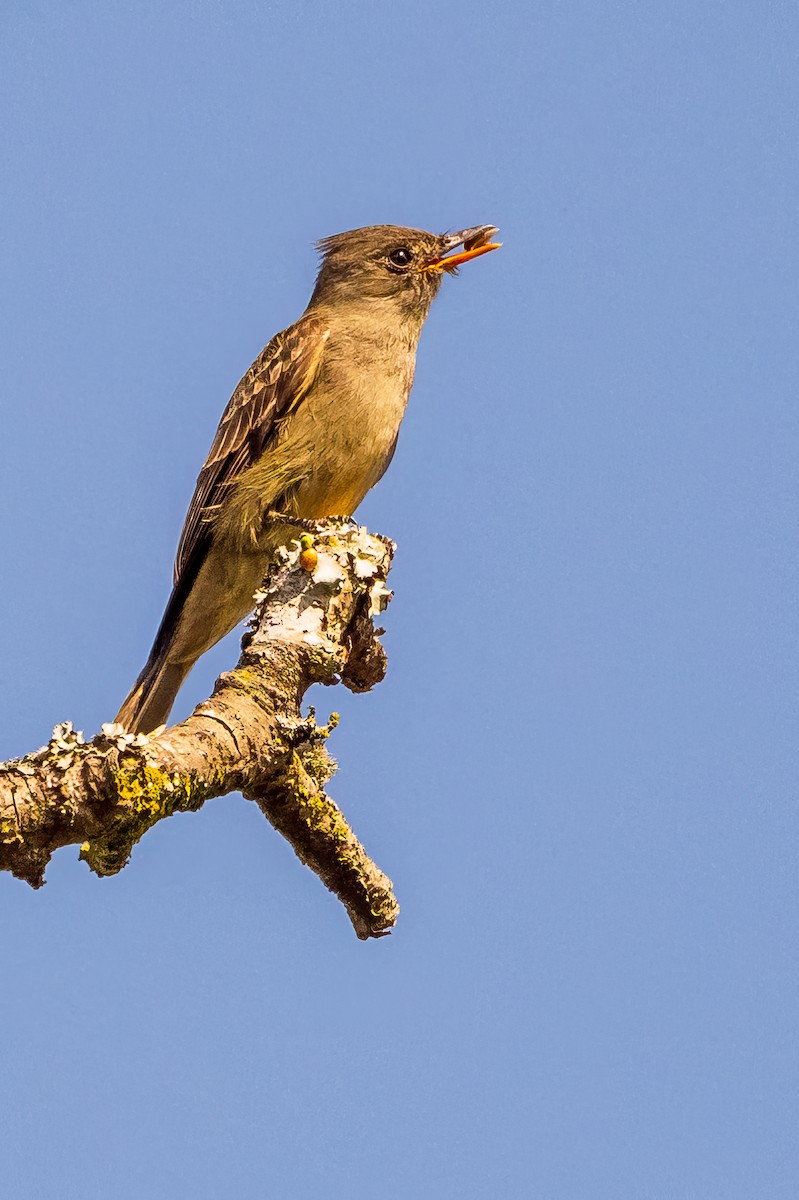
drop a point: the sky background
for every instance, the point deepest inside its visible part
(581, 770)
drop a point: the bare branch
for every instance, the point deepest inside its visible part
(310, 626)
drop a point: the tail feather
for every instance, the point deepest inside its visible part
(151, 698)
(149, 703)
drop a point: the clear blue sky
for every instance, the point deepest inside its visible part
(581, 771)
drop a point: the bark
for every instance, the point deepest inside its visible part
(309, 626)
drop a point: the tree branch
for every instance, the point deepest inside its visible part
(310, 626)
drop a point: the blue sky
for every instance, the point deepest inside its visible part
(581, 769)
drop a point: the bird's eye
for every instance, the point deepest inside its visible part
(401, 257)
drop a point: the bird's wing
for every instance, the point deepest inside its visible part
(274, 385)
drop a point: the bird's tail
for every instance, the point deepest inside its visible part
(151, 698)
(149, 703)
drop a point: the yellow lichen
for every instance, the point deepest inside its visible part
(146, 788)
(148, 794)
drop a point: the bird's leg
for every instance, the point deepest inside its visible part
(320, 526)
(279, 518)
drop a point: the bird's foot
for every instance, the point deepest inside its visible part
(279, 518)
(320, 526)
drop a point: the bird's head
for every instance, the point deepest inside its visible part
(389, 265)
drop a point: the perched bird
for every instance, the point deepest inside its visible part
(309, 430)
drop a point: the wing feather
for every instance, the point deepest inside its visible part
(274, 385)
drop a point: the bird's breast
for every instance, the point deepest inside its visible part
(348, 426)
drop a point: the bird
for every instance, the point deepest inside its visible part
(310, 428)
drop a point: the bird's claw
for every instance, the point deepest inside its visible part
(346, 519)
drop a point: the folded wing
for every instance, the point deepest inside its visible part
(272, 388)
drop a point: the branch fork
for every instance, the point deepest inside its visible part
(249, 736)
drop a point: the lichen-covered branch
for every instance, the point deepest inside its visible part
(313, 623)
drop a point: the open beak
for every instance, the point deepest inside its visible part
(475, 241)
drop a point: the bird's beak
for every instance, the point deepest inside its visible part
(475, 241)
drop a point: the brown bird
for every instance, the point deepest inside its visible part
(309, 430)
